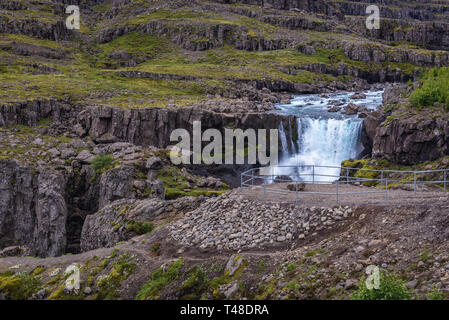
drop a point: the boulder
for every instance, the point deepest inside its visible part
(358, 96)
(351, 109)
(292, 186)
(154, 163)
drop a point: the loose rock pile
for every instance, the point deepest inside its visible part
(232, 222)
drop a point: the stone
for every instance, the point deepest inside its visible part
(154, 163)
(334, 109)
(412, 284)
(41, 294)
(233, 264)
(87, 291)
(351, 109)
(350, 284)
(231, 290)
(358, 96)
(292, 186)
(85, 156)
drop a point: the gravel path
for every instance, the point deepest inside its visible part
(365, 195)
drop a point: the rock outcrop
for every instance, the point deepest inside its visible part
(120, 220)
(33, 209)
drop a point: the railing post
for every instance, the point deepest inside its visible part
(445, 174)
(264, 190)
(414, 183)
(252, 177)
(241, 183)
(338, 200)
(296, 192)
(313, 174)
(386, 189)
(347, 176)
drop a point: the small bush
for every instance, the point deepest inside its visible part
(436, 294)
(159, 279)
(140, 227)
(102, 162)
(435, 88)
(20, 286)
(390, 288)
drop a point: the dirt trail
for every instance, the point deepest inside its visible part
(347, 195)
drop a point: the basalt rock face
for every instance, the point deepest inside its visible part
(199, 36)
(115, 184)
(316, 6)
(114, 222)
(154, 126)
(31, 112)
(35, 28)
(17, 203)
(51, 215)
(33, 209)
(411, 141)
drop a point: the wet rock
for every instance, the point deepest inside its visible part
(358, 96)
(351, 109)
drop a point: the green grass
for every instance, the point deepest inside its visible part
(140, 227)
(390, 288)
(20, 286)
(175, 184)
(159, 279)
(435, 88)
(102, 162)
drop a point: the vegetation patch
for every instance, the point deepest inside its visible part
(159, 279)
(101, 163)
(390, 288)
(19, 286)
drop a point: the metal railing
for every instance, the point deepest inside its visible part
(382, 179)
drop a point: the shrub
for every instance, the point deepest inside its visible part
(436, 294)
(19, 286)
(102, 162)
(390, 288)
(435, 88)
(159, 279)
(140, 227)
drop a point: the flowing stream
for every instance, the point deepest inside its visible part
(324, 138)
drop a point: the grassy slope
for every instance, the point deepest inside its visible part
(81, 76)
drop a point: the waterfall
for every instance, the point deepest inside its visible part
(322, 142)
(283, 138)
(324, 138)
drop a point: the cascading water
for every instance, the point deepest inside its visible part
(324, 138)
(283, 138)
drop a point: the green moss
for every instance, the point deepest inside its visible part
(101, 163)
(19, 286)
(120, 271)
(196, 284)
(140, 227)
(159, 279)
